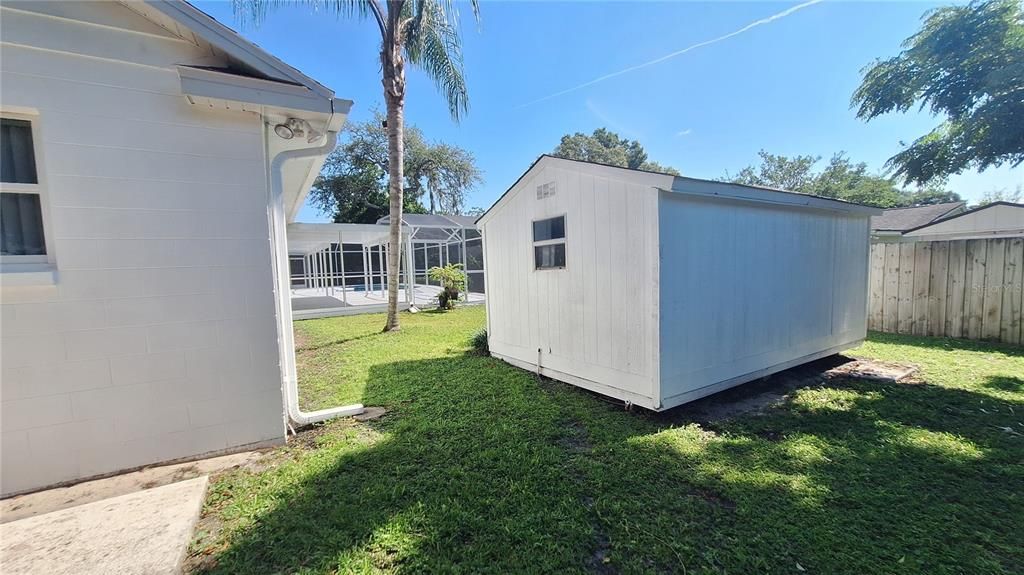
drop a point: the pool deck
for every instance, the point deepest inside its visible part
(318, 302)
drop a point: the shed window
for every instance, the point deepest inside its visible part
(550, 229)
(22, 237)
(549, 243)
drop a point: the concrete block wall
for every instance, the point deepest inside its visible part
(158, 339)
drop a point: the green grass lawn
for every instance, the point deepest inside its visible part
(480, 467)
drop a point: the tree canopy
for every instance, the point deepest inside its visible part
(425, 34)
(967, 65)
(352, 187)
(607, 147)
(841, 179)
(1012, 195)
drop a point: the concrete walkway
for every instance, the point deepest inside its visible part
(22, 506)
(145, 532)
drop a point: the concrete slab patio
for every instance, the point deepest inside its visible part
(146, 532)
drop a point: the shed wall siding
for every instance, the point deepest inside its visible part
(596, 319)
(747, 286)
(159, 340)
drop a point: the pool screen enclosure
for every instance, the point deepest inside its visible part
(341, 269)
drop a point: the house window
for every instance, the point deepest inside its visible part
(549, 243)
(22, 234)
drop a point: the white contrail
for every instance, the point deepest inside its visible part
(753, 24)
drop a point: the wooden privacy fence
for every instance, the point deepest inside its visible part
(957, 288)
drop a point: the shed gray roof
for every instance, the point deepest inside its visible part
(903, 219)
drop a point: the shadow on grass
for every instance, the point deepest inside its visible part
(336, 342)
(481, 467)
(1004, 383)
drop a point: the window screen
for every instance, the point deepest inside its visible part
(550, 229)
(549, 257)
(21, 225)
(17, 156)
(549, 243)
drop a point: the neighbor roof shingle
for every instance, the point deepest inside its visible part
(903, 219)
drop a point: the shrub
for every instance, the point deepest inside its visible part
(453, 282)
(479, 341)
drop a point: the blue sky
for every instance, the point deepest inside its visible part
(783, 86)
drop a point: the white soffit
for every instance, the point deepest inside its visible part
(233, 91)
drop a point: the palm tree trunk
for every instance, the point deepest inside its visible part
(394, 98)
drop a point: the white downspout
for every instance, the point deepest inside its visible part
(286, 337)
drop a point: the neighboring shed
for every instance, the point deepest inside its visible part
(995, 220)
(658, 289)
(894, 221)
(150, 160)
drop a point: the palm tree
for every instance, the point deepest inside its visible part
(424, 32)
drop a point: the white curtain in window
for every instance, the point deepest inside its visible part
(17, 156)
(21, 225)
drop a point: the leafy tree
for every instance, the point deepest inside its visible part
(1002, 195)
(607, 147)
(352, 186)
(934, 192)
(426, 34)
(841, 179)
(780, 172)
(967, 64)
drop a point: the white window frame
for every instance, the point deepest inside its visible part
(37, 262)
(541, 243)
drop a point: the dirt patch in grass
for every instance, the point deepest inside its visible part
(576, 443)
(756, 397)
(715, 499)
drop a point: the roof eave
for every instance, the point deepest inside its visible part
(708, 188)
(234, 45)
(203, 83)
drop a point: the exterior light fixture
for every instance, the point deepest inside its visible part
(283, 131)
(297, 127)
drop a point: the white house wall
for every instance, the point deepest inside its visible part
(594, 322)
(158, 340)
(747, 287)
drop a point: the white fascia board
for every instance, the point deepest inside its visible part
(231, 43)
(972, 235)
(886, 234)
(707, 188)
(243, 89)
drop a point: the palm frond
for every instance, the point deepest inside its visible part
(432, 43)
(254, 12)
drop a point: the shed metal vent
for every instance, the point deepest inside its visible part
(546, 190)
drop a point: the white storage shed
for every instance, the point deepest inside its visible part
(658, 290)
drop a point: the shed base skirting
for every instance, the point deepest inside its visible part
(686, 397)
(603, 389)
(679, 399)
